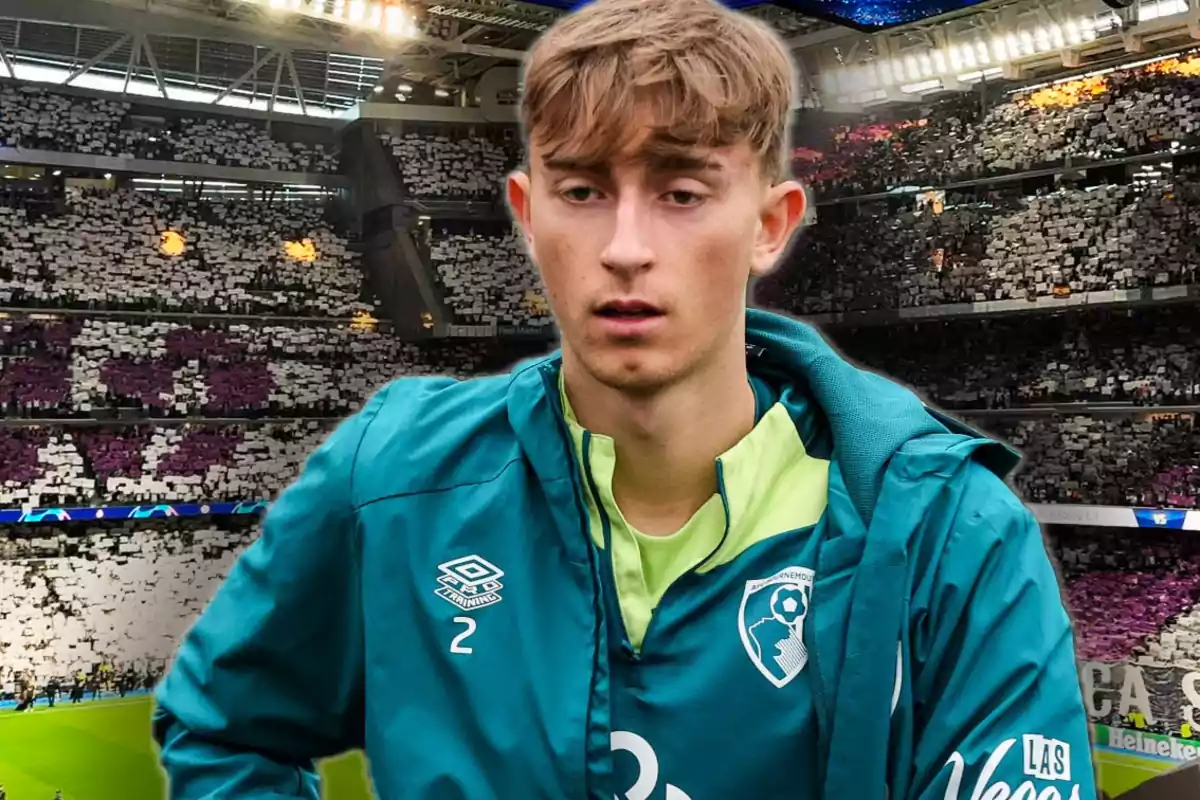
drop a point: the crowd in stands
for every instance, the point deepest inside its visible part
(52, 466)
(1097, 460)
(82, 595)
(1128, 590)
(445, 167)
(486, 275)
(1146, 357)
(85, 597)
(155, 252)
(97, 368)
(998, 245)
(153, 390)
(1125, 112)
(34, 118)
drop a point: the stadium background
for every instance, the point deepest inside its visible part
(223, 223)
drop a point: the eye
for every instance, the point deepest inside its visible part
(578, 194)
(682, 197)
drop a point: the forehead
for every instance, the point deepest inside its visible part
(642, 149)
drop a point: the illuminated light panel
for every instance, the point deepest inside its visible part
(173, 243)
(303, 251)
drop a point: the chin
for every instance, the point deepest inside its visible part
(635, 372)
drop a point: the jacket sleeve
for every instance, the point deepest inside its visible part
(269, 677)
(996, 692)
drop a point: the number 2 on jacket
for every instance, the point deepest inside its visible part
(456, 644)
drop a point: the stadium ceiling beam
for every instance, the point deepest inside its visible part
(823, 36)
(157, 17)
(468, 33)
(135, 53)
(153, 64)
(291, 64)
(4, 59)
(96, 59)
(247, 75)
(275, 87)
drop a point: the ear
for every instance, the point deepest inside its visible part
(782, 212)
(518, 192)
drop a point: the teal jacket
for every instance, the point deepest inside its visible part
(427, 591)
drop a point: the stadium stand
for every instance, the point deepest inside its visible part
(155, 252)
(35, 118)
(1144, 357)
(446, 167)
(228, 410)
(1152, 108)
(1003, 245)
(1149, 462)
(53, 466)
(485, 274)
(115, 593)
(1124, 588)
(88, 367)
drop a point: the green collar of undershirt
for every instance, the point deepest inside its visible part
(770, 484)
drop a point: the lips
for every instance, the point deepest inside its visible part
(629, 309)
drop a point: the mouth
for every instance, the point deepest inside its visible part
(629, 310)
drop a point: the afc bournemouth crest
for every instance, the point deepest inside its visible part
(771, 622)
(470, 582)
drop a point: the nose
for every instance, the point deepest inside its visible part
(628, 250)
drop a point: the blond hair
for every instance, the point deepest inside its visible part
(691, 71)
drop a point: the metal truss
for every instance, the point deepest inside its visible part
(305, 78)
(228, 47)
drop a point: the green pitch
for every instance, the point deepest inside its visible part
(1120, 772)
(102, 751)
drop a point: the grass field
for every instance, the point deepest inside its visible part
(1120, 772)
(102, 751)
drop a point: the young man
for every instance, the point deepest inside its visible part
(695, 555)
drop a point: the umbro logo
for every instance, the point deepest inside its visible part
(470, 582)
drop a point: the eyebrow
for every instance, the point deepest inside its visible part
(656, 161)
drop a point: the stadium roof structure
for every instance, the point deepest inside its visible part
(321, 58)
(306, 53)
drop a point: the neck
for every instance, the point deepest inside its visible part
(667, 442)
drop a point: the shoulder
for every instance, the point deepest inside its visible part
(424, 434)
(983, 532)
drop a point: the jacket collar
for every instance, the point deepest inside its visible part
(869, 418)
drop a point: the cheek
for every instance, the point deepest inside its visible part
(553, 255)
(723, 258)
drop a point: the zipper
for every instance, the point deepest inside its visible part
(609, 582)
(675, 587)
(598, 599)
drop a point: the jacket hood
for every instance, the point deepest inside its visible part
(869, 416)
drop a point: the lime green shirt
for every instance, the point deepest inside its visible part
(772, 486)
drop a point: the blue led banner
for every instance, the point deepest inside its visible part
(160, 511)
(1160, 517)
